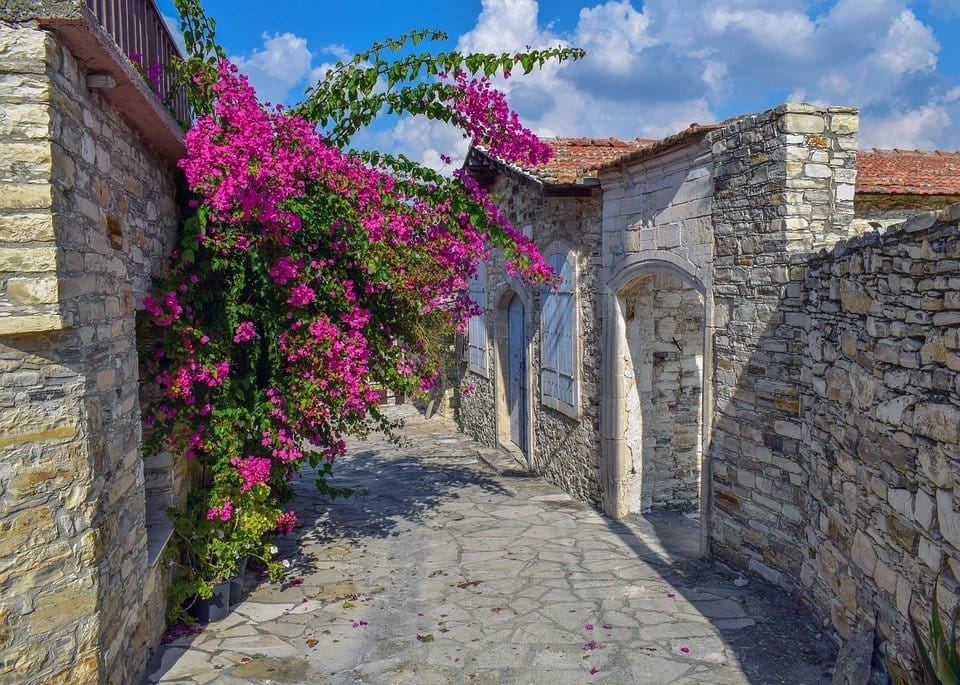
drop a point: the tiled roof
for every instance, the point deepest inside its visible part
(908, 172)
(578, 158)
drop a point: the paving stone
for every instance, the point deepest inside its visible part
(511, 590)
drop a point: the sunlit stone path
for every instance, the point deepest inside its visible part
(451, 565)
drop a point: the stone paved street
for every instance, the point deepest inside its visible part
(447, 568)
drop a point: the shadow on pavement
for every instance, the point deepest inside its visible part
(409, 491)
(774, 638)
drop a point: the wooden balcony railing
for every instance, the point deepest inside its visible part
(138, 27)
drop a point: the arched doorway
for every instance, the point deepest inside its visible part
(512, 334)
(655, 392)
(662, 391)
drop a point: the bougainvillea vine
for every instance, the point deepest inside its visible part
(307, 278)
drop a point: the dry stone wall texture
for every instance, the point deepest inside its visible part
(784, 186)
(834, 426)
(87, 217)
(881, 426)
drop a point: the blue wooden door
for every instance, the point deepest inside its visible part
(517, 373)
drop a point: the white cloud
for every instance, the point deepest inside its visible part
(654, 68)
(651, 69)
(281, 64)
(918, 129)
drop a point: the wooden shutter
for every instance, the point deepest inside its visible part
(477, 326)
(558, 328)
(566, 327)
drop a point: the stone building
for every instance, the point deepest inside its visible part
(706, 353)
(88, 215)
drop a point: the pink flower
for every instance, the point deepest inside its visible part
(252, 470)
(245, 332)
(286, 522)
(223, 512)
(301, 295)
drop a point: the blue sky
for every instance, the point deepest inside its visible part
(652, 67)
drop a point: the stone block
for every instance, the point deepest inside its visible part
(937, 421)
(25, 196)
(862, 553)
(948, 518)
(931, 554)
(923, 509)
(60, 609)
(32, 290)
(901, 501)
(31, 259)
(803, 123)
(24, 228)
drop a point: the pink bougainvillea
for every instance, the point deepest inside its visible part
(308, 279)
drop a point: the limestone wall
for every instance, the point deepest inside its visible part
(664, 322)
(657, 233)
(784, 186)
(87, 216)
(881, 426)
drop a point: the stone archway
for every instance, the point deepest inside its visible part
(656, 394)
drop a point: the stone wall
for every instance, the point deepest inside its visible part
(87, 217)
(664, 321)
(881, 210)
(657, 225)
(830, 382)
(784, 186)
(564, 446)
(881, 427)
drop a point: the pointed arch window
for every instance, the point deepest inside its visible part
(558, 326)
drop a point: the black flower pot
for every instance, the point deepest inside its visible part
(236, 583)
(215, 608)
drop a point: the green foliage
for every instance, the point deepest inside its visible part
(223, 277)
(198, 72)
(937, 656)
(355, 92)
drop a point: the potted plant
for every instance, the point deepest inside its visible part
(209, 557)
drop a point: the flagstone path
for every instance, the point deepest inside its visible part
(451, 565)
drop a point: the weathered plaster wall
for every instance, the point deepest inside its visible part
(881, 427)
(87, 216)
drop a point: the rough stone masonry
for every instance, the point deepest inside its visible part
(87, 216)
(829, 384)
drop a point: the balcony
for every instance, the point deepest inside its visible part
(101, 34)
(137, 27)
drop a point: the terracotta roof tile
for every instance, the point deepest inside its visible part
(578, 158)
(908, 172)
